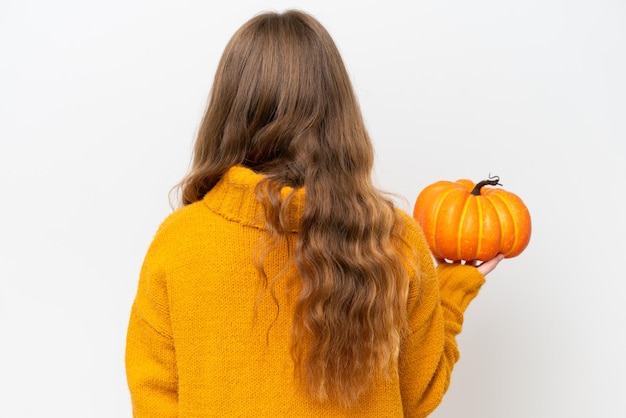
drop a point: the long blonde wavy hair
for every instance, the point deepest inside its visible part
(282, 104)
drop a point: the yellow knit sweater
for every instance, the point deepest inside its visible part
(196, 347)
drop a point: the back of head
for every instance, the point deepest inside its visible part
(282, 104)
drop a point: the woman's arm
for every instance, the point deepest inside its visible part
(437, 300)
(150, 357)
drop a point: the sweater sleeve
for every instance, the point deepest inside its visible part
(150, 356)
(436, 305)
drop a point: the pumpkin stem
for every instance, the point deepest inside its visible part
(493, 181)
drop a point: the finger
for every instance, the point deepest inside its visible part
(441, 261)
(488, 266)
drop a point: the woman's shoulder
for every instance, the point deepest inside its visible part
(412, 232)
(181, 217)
(179, 225)
(415, 249)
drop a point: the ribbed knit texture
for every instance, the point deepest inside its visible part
(198, 347)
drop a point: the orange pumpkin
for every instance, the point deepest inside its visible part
(467, 221)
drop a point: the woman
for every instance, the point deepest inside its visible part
(287, 284)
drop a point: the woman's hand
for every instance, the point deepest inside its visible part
(484, 268)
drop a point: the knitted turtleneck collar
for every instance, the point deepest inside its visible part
(234, 197)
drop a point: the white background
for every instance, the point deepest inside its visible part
(99, 105)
